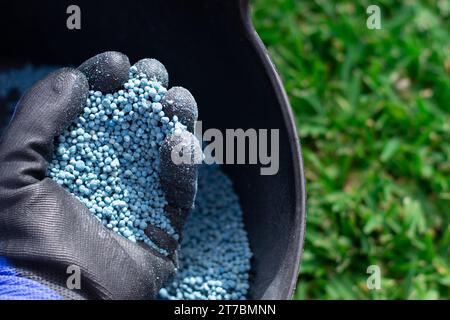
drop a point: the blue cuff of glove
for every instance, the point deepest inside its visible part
(13, 286)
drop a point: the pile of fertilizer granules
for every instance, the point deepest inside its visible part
(215, 254)
(108, 158)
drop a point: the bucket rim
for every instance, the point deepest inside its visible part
(297, 247)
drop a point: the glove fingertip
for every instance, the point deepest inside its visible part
(161, 238)
(180, 156)
(154, 70)
(180, 102)
(106, 71)
(76, 82)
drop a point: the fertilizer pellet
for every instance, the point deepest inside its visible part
(109, 157)
(215, 254)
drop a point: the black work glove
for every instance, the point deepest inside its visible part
(44, 229)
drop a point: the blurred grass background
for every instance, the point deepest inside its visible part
(373, 113)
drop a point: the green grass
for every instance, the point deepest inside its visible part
(373, 113)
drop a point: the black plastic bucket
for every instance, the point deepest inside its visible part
(210, 47)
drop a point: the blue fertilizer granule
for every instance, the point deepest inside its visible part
(215, 253)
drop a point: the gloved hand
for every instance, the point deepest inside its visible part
(44, 229)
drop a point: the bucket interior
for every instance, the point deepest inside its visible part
(206, 47)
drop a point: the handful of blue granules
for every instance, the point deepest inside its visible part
(109, 159)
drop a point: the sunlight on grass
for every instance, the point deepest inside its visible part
(373, 114)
